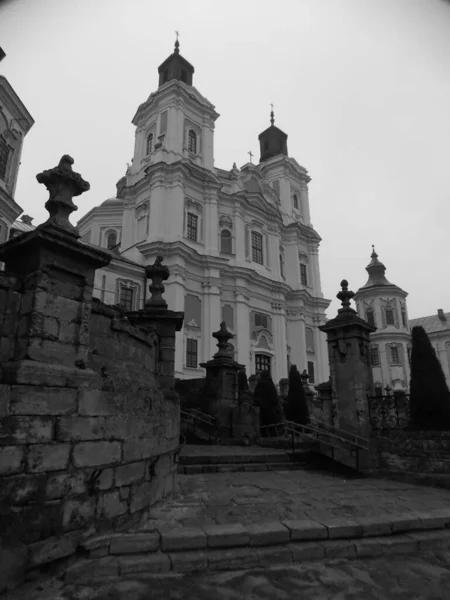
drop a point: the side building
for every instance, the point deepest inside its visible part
(239, 243)
(437, 327)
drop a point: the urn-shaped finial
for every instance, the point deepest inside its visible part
(158, 273)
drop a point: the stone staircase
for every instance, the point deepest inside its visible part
(198, 459)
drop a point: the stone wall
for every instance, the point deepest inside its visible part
(416, 456)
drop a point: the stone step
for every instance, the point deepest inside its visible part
(229, 459)
(239, 467)
(236, 546)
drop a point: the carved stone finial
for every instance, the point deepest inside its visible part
(63, 184)
(304, 377)
(223, 336)
(158, 273)
(345, 295)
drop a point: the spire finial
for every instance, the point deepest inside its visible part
(374, 254)
(272, 116)
(177, 44)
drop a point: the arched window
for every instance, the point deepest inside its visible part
(150, 143)
(111, 240)
(226, 242)
(295, 201)
(192, 141)
(370, 316)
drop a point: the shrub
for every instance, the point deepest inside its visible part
(429, 393)
(296, 404)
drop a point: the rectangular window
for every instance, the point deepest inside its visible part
(282, 264)
(262, 363)
(390, 317)
(4, 155)
(295, 201)
(126, 298)
(191, 353)
(311, 372)
(395, 358)
(375, 356)
(257, 248)
(260, 320)
(404, 322)
(192, 226)
(276, 186)
(303, 274)
(163, 122)
(370, 317)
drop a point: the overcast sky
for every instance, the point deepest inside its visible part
(362, 88)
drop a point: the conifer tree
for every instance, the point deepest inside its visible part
(297, 404)
(266, 397)
(429, 394)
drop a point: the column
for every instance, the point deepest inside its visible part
(243, 330)
(280, 369)
(211, 317)
(296, 336)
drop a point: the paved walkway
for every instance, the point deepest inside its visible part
(258, 497)
(421, 577)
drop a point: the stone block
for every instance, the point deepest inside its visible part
(193, 469)
(13, 561)
(188, 562)
(306, 529)
(226, 536)
(131, 473)
(405, 523)
(374, 526)
(5, 395)
(148, 564)
(183, 539)
(98, 541)
(80, 428)
(342, 528)
(266, 534)
(232, 558)
(96, 569)
(52, 549)
(95, 454)
(11, 460)
(339, 549)
(382, 546)
(78, 513)
(96, 403)
(306, 551)
(99, 552)
(25, 430)
(134, 543)
(429, 540)
(268, 556)
(22, 489)
(105, 480)
(110, 505)
(34, 400)
(48, 457)
(142, 496)
(60, 485)
(134, 450)
(435, 519)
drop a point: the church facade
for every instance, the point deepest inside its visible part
(239, 243)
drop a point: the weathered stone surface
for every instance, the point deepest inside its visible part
(306, 551)
(22, 489)
(130, 473)
(373, 526)
(96, 403)
(405, 523)
(13, 560)
(93, 454)
(382, 546)
(11, 459)
(110, 505)
(263, 534)
(25, 430)
(5, 395)
(151, 563)
(60, 485)
(226, 536)
(92, 570)
(98, 541)
(306, 530)
(339, 549)
(343, 528)
(48, 457)
(434, 520)
(134, 450)
(431, 539)
(188, 562)
(183, 539)
(36, 400)
(52, 549)
(80, 428)
(273, 555)
(134, 543)
(78, 512)
(233, 558)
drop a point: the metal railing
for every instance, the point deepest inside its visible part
(389, 412)
(198, 422)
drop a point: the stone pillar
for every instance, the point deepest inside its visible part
(155, 314)
(243, 330)
(280, 343)
(351, 372)
(58, 273)
(221, 389)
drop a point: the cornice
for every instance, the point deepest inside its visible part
(15, 106)
(378, 291)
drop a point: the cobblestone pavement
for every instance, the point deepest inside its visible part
(257, 497)
(420, 577)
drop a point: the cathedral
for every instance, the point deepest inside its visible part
(239, 243)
